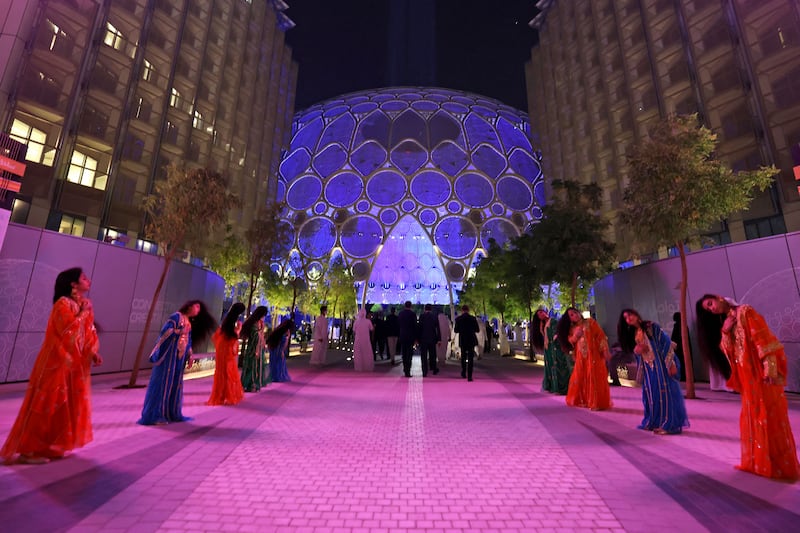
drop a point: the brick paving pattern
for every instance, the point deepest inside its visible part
(340, 452)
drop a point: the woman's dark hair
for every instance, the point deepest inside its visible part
(228, 325)
(564, 325)
(64, 281)
(275, 337)
(250, 323)
(627, 333)
(537, 339)
(203, 324)
(709, 335)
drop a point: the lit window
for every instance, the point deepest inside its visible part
(113, 37)
(197, 122)
(174, 98)
(83, 170)
(57, 32)
(146, 246)
(147, 70)
(36, 140)
(72, 225)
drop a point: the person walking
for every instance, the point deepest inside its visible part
(363, 329)
(189, 326)
(55, 415)
(407, 322)
(443, 345)
(227, 387)
(429, 336)
(253, 352)
(585, 339)
(319, 352)
(737, 342)
(664, 408)
(557, 368)
(392, 327)
(467, 328)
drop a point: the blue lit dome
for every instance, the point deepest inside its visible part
(408, 184)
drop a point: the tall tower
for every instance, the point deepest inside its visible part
(412, 43)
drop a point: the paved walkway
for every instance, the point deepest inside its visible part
(335, 451)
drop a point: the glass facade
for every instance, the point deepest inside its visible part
(409, 185)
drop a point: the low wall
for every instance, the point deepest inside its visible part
(123, 281)
(764, 273)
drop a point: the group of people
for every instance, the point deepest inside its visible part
(733, 338)
(55, 416)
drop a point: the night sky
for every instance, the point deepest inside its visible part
(480, 47)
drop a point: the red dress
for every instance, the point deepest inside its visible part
(55, 416)
(588, 385)
(227, 388)
(768, 447)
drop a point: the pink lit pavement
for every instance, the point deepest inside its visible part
(336, 451)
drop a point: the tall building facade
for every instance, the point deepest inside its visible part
(604, 70)
(106, 93)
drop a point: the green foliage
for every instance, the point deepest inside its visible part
(266, 239)
(185, 207)
(569, 243)
(342, 291)
(678, 189)
(227, 257)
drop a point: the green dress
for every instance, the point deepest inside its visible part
(254, 368)
(557, 364)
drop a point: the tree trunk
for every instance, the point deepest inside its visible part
(531, 353)
(687, 349)
(138, 360)
(253, 281)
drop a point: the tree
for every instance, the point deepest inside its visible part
(569, 241)
(265, 240)
(228, 257)
(523, 276)
(182, 210)
(677, 189)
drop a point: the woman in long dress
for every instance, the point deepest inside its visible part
(227, 387)
(664, 408)
(736, 341)
(557, 367)
(189, 326)
(278, 346)
(55, 416)
(253, 352)
(588, 385)
(362, 345)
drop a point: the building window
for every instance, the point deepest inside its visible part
(83, 170)
(112, 236)
(36, 140)
(786, 90)
(134, 148)
(60, 43)
(147, 71)
(113, 37)
(72, 225)
(19, 210)
(142, 109)
(146, 246)
(778, 38)
(764, 227)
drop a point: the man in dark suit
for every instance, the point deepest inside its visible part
(392, 334)
(428, 338)
(467, 329)
(407, 320)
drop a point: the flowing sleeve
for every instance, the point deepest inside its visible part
(599, 338)
(167, 330)
(762, 339)
(664, 347)
(70, 326)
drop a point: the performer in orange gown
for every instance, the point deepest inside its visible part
(227, 388)
(55, 416)
(737, 341)
(588, 384)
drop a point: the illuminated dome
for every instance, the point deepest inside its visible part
(408, 185)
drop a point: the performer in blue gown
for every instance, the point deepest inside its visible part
(278, 344)
(163, 401)
(664, 408)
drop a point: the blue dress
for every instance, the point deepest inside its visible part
(664, 408)
(277, 361)
(163, 401)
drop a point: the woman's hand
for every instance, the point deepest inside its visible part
(638, 349)
(97, 359)
(672, 369)
(729, 324)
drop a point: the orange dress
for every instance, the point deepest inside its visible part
(227, 388)
(55, 416)
(768, 447)
(588, 385)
